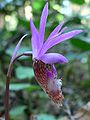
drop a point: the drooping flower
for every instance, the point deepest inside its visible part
(43, 63)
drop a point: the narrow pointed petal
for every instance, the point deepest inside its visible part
(53, 37)
(43, 23)
(51, 58)
(17, 48)
(14, 55)
(34, 39)
(59, 39)
(54, 33)
(56, 30)
(65, 28)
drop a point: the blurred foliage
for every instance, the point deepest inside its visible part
(26, 96)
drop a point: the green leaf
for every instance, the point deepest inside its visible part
(79, 2)
(24, 23)
(18, 86)
(37, 5)
(85, 83)
(83, 45)
(45, 117)
(18, 110)
(74, 56)
(33, 88)
(24, 72)
(71, 56)
(73, 20)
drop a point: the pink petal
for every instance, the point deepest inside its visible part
(34, 39)
(54, 33)
(56, 30)
(17, 48)
(14, 55)
(52, 36)
(51, 58)
(59, 39)
(43, 23)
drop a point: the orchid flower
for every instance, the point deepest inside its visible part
(43, 63)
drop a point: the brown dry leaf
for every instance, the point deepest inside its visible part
(83, 113)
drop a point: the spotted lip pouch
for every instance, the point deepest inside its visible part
(46, 76)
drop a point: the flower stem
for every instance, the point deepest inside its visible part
(7, 98)
(7, 84)
(89, 65)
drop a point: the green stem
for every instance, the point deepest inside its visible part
(89, 65)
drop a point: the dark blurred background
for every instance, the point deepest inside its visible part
(26, 96)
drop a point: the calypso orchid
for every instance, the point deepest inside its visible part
(43, 62)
